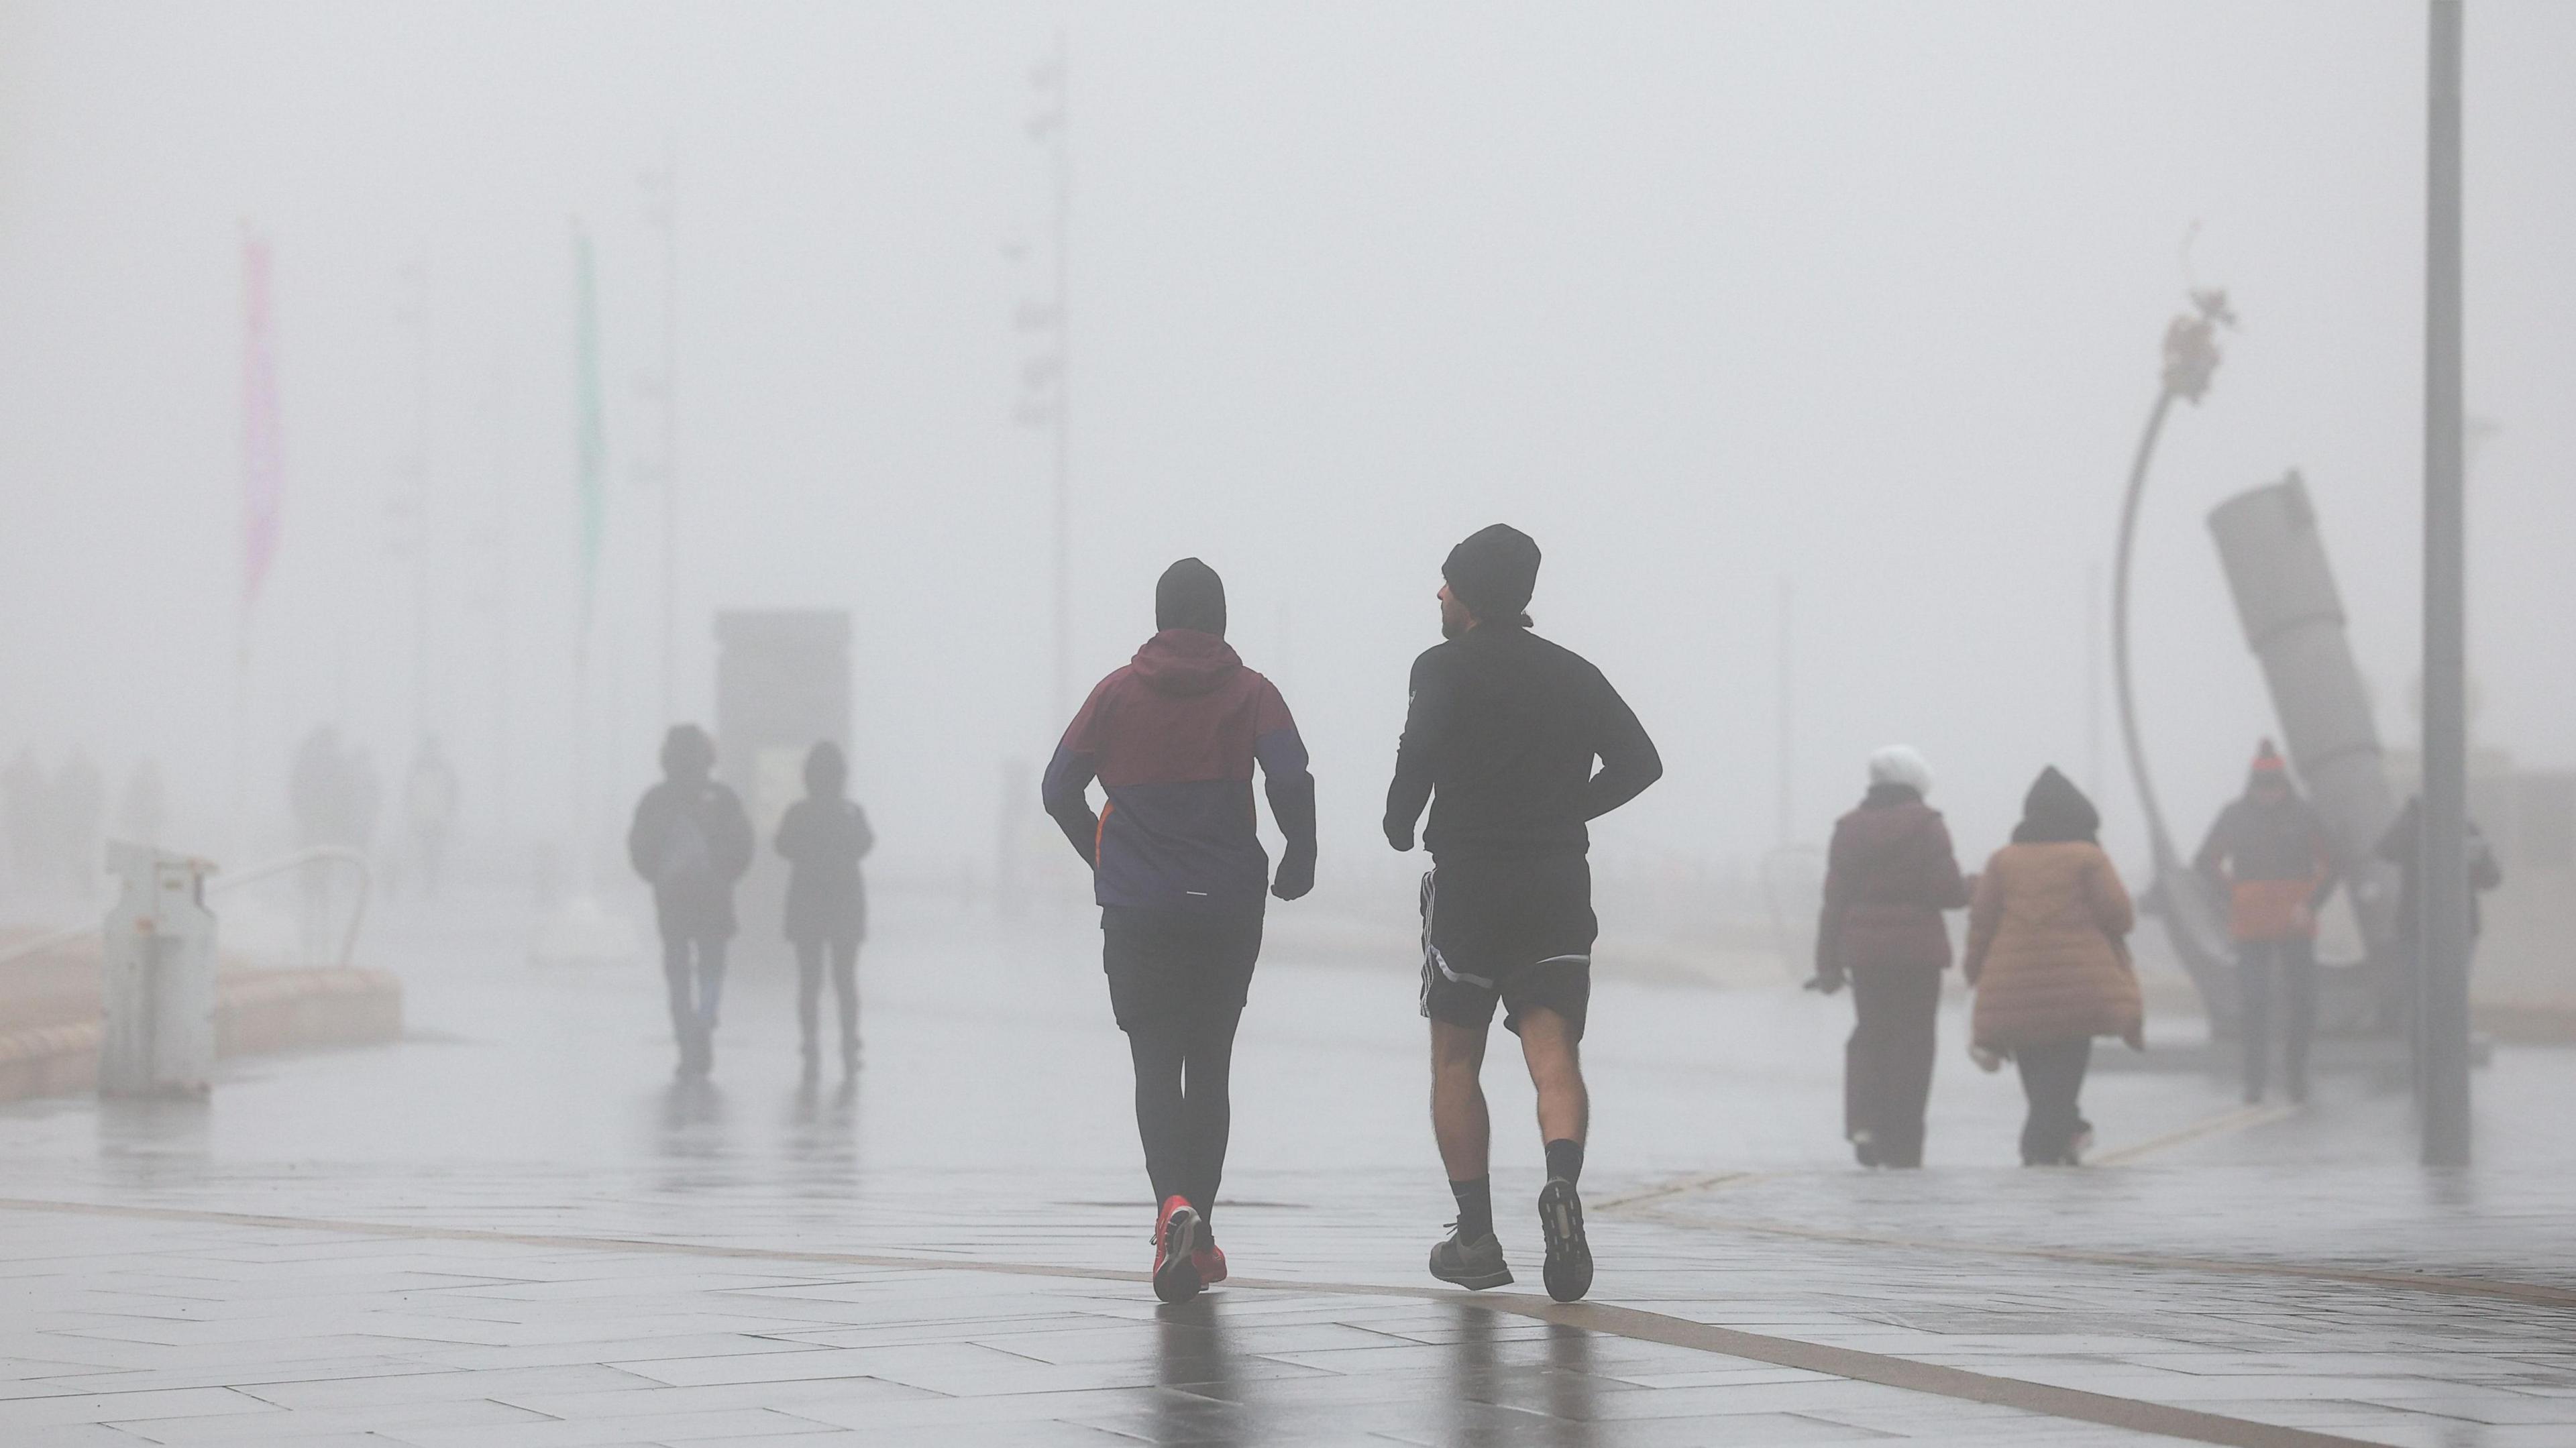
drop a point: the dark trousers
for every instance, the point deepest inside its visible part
(693, 967)
(1177, 981)
(2264, 969)
(1887, 1064)
(845, 988)
(2052, 1078)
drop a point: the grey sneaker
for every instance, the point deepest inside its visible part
(1473, 1265)
(1569, 1257)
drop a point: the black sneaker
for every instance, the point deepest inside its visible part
(1569, 1258)
(1473, 1265)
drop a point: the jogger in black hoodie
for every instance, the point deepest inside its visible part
(1500, 740)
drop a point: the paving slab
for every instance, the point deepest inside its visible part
(516, 1229)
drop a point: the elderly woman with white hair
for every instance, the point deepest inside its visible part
(1888, 876)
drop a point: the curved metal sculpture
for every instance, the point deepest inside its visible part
(2176, 896)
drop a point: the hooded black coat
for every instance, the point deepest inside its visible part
(692, 841)
(823, 838)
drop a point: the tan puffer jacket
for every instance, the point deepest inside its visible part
(2047, 948)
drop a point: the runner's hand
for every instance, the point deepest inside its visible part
(1295, 878)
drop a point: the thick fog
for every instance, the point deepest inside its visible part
(1860, 301)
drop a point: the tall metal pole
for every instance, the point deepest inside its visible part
(1784, 818)
(2159, 840)
(666, 214)
(418, 467)
(2093, 678)
(2443, 920)
(1063, 696)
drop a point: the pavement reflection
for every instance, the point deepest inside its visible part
(1195, 1369)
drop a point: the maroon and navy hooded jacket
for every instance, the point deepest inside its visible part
(1172, 738)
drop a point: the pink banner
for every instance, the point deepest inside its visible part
(263, 437)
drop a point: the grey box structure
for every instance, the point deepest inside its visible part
(782, 684)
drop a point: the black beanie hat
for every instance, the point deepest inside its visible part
(1494, 572)
(2056, 811)
(1190, 595)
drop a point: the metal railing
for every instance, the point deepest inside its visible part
(266, 869)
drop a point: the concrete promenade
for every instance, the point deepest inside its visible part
(514, 1229)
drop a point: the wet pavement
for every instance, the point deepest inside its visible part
(514, 1228)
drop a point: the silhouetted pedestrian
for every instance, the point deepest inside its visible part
(429, 808)
(30, 808)
(1888, 876)
(2048, 955)
(1500, 737)
(823, 837)
(691, 840)
(1178, 869)
(80, 809)
(2267, 854)
(2403, 846)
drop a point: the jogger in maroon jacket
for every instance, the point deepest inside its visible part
(1179, 873)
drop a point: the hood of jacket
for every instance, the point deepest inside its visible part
(1185, 662)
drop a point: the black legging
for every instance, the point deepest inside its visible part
(2294, 962)
(1887, 1065)
(2052, 1077)
(845, 988)
(1183, 1108)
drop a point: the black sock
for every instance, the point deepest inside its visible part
(1565, 1159)
(1475, 1208)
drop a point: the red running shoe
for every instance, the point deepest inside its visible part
(1208, 1259)
(1176, 1246)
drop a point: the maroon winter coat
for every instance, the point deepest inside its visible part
(1888, 877)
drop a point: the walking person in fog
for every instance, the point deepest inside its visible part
(2048, 955)
(1178, 870)
(1888, 876)
(691, 841)
(823, 837)
(1499, 740)
(2268, 856)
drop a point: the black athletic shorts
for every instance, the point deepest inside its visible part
(1177, 968)
(1518, 932)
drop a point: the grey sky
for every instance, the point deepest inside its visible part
(1702, 296)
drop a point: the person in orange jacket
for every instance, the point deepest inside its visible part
(2267, 855)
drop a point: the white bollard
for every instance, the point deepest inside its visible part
(157, 976)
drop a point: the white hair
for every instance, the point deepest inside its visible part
(1901, 764)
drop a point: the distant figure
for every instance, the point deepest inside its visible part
(139, 815)
(824, 836)
(429, 806)
(362, 799)
(2048, 955)
(80, 809)
(317, 792)
(2403, 846)
(1178, 869)
(30, 820)
(2267, 854)
(1888, 876)
(691, 841)
(316, 788)
(1500, 738)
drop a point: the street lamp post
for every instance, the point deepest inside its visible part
(1046, 377)
(2442, 1034)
